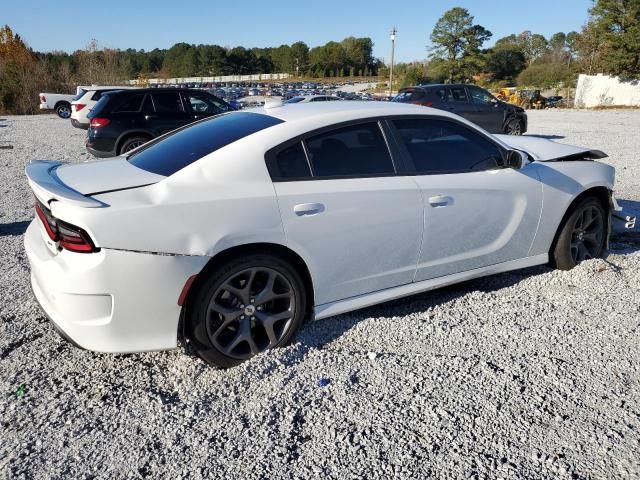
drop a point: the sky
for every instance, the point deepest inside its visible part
(67, 25)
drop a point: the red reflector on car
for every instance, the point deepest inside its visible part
(98, 122)
(78, 106)
(185, 290)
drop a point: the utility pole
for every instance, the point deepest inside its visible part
(393, 45)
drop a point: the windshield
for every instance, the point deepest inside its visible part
(186, 145)
(295, 100)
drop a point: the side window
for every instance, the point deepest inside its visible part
(290, 163)
(458, 94)
(357, 150)
(440, 146)
(204, 104)
(479, 96)
(167, 102)
(131, 103)
(442, 94)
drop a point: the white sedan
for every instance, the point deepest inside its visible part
(232, 231)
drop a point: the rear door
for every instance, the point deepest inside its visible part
(357, 224)
(169, 112)
(486, 111)
(476, 213)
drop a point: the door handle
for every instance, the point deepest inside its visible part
(149, 117)
(303, 209)
(440, 201)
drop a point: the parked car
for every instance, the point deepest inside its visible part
(59, 102)
(471, 102)
(125, 119)
(231, 231)
(83, 103)
(555, 101)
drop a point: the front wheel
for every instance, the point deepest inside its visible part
(514, 127)
(249, 305)
(582, 235)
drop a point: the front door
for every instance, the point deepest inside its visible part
(355, 222)
(476, 213)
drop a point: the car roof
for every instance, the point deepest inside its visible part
(439, 85)
(334, 112)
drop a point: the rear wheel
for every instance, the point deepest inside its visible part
(131, 143)
(246, 307)
(63, 110)
(514, 127)
(582, 236)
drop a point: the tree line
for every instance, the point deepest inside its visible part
(609, 43)
(24, 72)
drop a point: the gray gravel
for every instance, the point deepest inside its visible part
(532, 374)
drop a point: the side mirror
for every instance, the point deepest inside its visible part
(515, 159)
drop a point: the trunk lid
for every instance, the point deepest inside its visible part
(76, 183)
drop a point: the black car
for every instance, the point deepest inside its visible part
(125, 119)
(471, 102)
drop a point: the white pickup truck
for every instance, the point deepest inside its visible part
(60, 102)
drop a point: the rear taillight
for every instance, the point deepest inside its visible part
(78, 106)
(48, 221)
(43, 99)
(74, 239)
(427, 104)
(68, 236)
(98, 122)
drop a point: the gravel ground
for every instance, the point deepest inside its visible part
(531, 374)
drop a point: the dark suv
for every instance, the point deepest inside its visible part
(125, 119)
(471, 102)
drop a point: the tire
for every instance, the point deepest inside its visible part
(63, 110)
(582, 235)
(247, 306)
(131, 143)
(514, 127)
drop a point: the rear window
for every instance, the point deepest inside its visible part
(187, 145)
(79, 95)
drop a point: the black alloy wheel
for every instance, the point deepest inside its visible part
(582, 235)
(249, 306)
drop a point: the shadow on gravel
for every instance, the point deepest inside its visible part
(548, 137)
(13, 229)
(317, 334)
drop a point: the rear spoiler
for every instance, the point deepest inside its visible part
(46, 186)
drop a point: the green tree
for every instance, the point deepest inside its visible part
(457, 41)
(505, 62)
(616, 26)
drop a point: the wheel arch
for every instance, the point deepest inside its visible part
(274, 249)
(61, 102)
(603, 194)
(132, 133)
